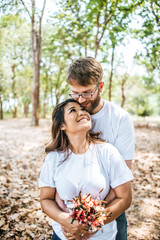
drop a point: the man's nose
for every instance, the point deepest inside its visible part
(81, 99)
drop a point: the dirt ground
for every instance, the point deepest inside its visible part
(21, 158)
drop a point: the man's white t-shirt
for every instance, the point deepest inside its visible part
(101, 166)
(116, 127)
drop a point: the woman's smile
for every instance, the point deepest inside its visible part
(85, 118)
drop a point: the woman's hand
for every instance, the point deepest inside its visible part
(73, 230)
(80, 232)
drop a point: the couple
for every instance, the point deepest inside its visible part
(78, 160)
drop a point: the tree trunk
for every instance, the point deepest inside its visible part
(52, 97)
(14, 112)
(96, 47)
(57, 99)
(14, 109)
(45, 95)
(44, 109)
(26, 110)
(36, 48)
(124, 80)
(36, 52)
(36, 79)
(86, 45)
(123, 96)
(1, 108)
(111, 74)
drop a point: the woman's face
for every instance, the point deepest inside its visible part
(76, 118)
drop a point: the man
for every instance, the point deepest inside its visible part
(85, 79)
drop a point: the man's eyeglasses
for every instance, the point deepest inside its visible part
(84, 95)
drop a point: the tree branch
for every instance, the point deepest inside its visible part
(42, 12)
(157, 18)
(106, 21)
(158, 4)
(40, 19)
(26, 9)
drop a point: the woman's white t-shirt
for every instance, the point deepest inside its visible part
(101, 166)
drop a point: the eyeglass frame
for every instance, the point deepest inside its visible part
(81, 94)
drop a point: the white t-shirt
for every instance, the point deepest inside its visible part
(116, 127)
(101, 166)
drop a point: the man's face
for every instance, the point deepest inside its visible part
(90, 103)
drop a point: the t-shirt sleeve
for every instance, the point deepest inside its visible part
(119, 173)
(46, 178)
(125, 138)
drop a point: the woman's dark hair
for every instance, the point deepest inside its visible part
(60, 140)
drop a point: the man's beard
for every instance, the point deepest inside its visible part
(94, 104)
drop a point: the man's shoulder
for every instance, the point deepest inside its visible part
(114, 109)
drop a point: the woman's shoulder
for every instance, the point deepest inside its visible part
(106, 146)
(53, 156)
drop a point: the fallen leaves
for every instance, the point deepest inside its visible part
(144, 214)
(21, 158)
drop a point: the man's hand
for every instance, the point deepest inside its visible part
(60, 203)
(111, 196)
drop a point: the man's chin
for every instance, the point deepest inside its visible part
(86, 105)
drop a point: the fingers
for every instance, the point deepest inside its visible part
(77, 232)
(69, 236)
(83, 235)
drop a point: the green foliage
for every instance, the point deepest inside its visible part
(148, 34)
(81, 28)
(15, 41)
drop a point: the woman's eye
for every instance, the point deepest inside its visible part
(72, 110)
(83, 109)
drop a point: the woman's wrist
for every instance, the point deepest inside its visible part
(64, 219)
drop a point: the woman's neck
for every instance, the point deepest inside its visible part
(78, 143)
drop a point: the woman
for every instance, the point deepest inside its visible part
(78, 160)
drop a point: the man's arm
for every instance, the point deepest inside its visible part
(129, 164)
(121, 202)
(111, 195)
(125, 139)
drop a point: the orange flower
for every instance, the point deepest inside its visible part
(88, 211)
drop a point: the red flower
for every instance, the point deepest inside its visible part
(88, 211)
(95, 223)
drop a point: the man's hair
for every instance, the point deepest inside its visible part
(84, 71)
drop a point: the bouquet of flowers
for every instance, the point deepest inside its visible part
(89, 211)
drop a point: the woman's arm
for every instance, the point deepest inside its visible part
(121, 202)
(117, 206)
(49, 206)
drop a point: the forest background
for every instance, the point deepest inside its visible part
(38, 41)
